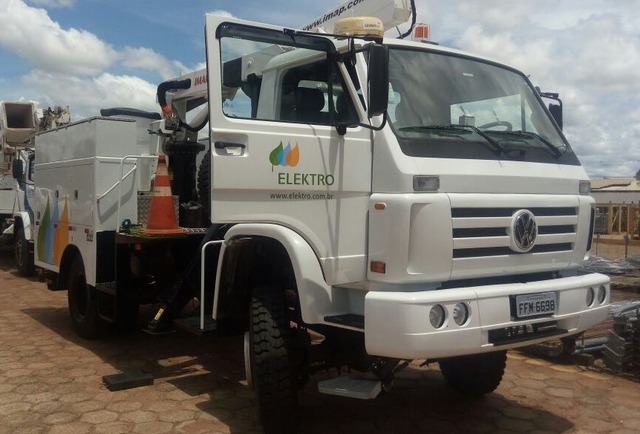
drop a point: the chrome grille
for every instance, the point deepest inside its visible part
(483, 231)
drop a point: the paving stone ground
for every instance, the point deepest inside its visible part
(51, 382)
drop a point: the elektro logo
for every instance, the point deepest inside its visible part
(285, 155)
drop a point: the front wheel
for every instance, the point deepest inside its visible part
(474, 375)
(83, 303)
(271, 361)
(24, 254)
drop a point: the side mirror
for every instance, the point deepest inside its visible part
(378, 79)
(17, 169)
(554, 109)
(556, 113)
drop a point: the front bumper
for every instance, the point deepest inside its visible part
(397, 323)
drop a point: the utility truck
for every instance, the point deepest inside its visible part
(367, 202)
(18, 125)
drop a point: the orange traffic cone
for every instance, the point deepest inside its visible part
(162, 217)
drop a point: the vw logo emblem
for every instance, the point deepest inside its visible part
(524, 231)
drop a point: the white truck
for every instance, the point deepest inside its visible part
(369, 202)
(18, 125)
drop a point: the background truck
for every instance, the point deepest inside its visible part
(18, 125)
(368, 201)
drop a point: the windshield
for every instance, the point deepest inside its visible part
(448, 106)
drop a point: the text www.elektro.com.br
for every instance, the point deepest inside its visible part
(301, 196)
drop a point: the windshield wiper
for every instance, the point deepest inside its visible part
(528, 134)
(492, 143)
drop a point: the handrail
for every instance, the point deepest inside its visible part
(103, 195)
(202, 261)
(122, 160)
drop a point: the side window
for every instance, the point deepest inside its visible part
(282, 79)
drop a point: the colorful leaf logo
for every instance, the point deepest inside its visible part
(293, 157)
(285, 155)
(274, 156)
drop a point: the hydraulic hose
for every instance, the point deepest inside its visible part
(413, 21)
(165, 87)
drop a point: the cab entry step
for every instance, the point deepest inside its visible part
(351, 387)
(192, 325)
(347, 319)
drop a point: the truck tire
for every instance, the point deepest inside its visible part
(83, 303)
(24, 255)
(203, 185)
(474, 375)
(272, 367)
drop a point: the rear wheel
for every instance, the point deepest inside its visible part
(273, 369)
(24, 254)
(474, 375)
(83, 303)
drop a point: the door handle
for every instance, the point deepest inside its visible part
(225, 145)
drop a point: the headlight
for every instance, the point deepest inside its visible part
(437, 316)
(590, 296)
(460, 313)
(602, 294)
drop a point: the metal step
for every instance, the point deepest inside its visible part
(192, 325)
(347, 319)
(351, 387)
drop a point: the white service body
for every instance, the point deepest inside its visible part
(77, 173)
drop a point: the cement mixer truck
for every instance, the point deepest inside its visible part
(367, 202)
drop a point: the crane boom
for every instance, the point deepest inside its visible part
(391, 12)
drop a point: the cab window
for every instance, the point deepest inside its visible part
(270, 77)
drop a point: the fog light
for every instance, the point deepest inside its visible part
(590, 296)
(602, 294)
(460, 313)
(437, 316)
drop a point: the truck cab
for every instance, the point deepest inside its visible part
(449, 226)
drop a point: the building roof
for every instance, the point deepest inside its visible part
(616, 184)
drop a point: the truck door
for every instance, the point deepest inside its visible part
(275, 97)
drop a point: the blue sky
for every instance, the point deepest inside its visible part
(91, 54)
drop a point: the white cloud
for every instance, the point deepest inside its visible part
(589, 51)
(72, 51)
(606, 59)
(53, 3)
(86, 96)
(74, 67)
(222, 13)
(148, 59)
(45, 45)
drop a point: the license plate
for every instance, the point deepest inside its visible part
(528, 305)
